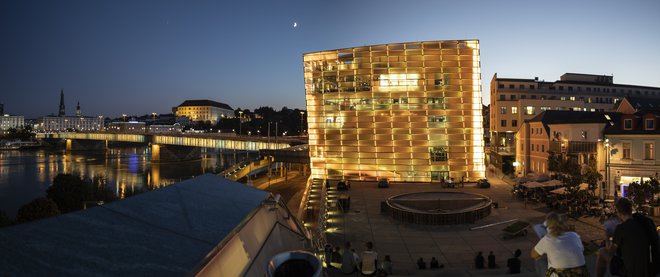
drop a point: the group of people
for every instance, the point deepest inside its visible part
(433, 264)
(631, 247)
(349, 262)
(513, 264)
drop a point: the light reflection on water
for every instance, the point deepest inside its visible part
(25, 175)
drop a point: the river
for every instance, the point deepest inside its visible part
(26, 174)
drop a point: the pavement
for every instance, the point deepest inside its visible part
(455, 246)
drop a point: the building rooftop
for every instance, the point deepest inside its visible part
(212, 103)
(572, 117)
(577, 78)
(168, 231)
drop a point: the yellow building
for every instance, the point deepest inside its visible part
(204, 110)
(404, 112)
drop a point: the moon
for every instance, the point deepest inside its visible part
(295, 24)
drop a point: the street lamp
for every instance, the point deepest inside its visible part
(607, 167)
(302, 113)
(515, 168)
(240, 122)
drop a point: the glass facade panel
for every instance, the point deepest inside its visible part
(409, 112)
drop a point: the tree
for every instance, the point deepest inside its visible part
(641, 193)
(591, 175)
(554, 161)
(37, 209)
(69, 192)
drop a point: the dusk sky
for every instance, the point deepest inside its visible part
(138, 57)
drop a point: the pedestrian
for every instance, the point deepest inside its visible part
(386, 265)
(603, 256)
(327, 255)
(433, 264)
(491, 260)
(514, 263)
(635, 242)
(421, 264)
(369, 260)
(563, 248)
(349, 260)
(479, 261)
(336, 256)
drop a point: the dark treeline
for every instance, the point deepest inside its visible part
(256, 122)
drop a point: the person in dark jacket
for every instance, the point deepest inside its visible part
(479, 261)
(491, 260)
(514, 263)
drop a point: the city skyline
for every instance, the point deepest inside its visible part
(137, 58)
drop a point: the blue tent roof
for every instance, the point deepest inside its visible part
(167, 231)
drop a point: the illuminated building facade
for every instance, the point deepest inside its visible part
(11, 121)
(406, 112)
(515, 100)
(204, 110)
(70, 123)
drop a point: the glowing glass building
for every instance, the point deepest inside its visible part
(403, 112)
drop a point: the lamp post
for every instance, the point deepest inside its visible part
(302, 113)
(240, 122)
(607, 167)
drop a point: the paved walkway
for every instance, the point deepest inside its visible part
(453, 245)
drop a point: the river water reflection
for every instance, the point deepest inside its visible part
(25, 175)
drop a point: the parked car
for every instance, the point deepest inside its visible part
(383, 184)
(483, 183)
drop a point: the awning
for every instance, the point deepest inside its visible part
(562, 190)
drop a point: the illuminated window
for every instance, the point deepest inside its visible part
(572, 98)
(437, 118)
(514, 110)
(438, 154)
(502, 110)
(648, 151)
(529, 110)
(626, 150)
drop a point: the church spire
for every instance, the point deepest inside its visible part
(78, 112)
(62, 109)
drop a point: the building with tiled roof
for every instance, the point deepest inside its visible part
(204, 110)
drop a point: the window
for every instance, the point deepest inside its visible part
(523, 96)
(500, 86)
(561, 87)
(572, 98)
(502, 110)
(514, 110)
(513, 97)
(437, 118)
(532, 130)
(627, 124)
(570, 88)
(514, 123)
(521, 86)
(531, 86)
(502, 97)
(503, 123)
(648, 151)
(511, 86)
(533, 96)
(650, 124)
(563, 98)
(438, 154)
(584, 134)
(542, 147)
(540, 130)
(626, 150)
(529, 110)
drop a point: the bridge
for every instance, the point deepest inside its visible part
(174, 146)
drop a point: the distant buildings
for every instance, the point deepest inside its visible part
(130, 127)
(11, 121)
(203, 110)
(632, 143)
(516, 100)
(569, 133)
(404, 112)
(163, 129)
(63, 123)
